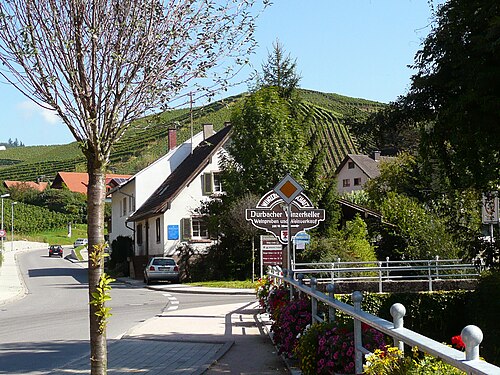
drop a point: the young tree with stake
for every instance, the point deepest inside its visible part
(102, 64)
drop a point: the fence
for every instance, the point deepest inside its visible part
(471, 335)
(390, 271)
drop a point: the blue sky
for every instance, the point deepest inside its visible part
(358, 48)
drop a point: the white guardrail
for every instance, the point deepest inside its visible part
(390, 271)
(471, 335)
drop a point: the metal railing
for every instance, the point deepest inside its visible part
(390, 271)
(471, 335)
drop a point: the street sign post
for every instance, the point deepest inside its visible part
(271, 252)
(284, 212)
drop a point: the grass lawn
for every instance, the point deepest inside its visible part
(246, 284)
(57, 237)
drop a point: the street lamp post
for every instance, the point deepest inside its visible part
(12, 226)
(3, 196)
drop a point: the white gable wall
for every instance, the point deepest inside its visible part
(350, 174)
(183, 206)
(144, 183)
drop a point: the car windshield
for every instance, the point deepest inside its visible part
(163, 262)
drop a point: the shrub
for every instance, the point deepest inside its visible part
(291, 321)
(307, 347)
(336, 348)
(391, 361)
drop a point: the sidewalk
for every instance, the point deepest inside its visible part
(223, 339)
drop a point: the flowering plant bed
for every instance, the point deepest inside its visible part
(291, 321)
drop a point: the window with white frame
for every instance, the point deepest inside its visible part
(346, 182)
(138, 234)
(194, 228)
(131, 203)
(124, 206)
(350, 165)
(212, 183)
(357, 181)
(158, 230)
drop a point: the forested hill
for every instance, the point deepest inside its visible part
(146, 140)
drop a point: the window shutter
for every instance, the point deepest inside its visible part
(186, 229)
(208, 188)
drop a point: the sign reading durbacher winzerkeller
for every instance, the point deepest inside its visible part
(271, 215)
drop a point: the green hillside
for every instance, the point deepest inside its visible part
(146, 140)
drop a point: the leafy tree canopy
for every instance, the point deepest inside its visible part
(456, 92)
(267, 143)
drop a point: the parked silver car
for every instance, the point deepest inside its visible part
(161, 268)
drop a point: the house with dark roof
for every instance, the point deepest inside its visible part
(157, 206)
(356, 170)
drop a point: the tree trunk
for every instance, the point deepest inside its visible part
(96, 193)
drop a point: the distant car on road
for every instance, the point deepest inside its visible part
(80, 242)
(161, 268)
(56, 250)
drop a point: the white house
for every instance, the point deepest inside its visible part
(355, 170)
(156, 206)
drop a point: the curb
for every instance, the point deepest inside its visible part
(186, 289)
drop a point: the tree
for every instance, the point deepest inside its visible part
(279, 71)
(455, 93)
(267, 142)
(102, 64)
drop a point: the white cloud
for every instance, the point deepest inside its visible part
(31, 111)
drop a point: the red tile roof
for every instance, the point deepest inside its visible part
(40, 186)
(77, 182)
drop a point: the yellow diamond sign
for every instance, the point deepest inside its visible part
(288, 189)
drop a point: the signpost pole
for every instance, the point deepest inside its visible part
(289, 234)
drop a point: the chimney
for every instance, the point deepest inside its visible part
(208, 130)
(172, 138)
(376, 155)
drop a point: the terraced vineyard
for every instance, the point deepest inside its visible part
(146, 140)
(331, 136)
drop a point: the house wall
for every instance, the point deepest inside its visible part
(350, 174)
(144, 183)
(183, 206)
(118, 227)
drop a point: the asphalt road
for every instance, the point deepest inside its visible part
(49, 326)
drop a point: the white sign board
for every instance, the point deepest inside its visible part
(490, 208)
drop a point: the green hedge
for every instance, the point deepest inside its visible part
(441, 315)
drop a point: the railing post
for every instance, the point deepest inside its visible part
(330, 289)
(380, 277)
(357, 297)
(437, 267)
(472, 336)
(300, 279)
(332, 273)
(290, 275)
(387, 265)
(398, 311)
(314, 301)
(430, 275)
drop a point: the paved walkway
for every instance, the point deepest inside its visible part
(226, 339)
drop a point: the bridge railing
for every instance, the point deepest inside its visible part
(471, 335)
(430, 270)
